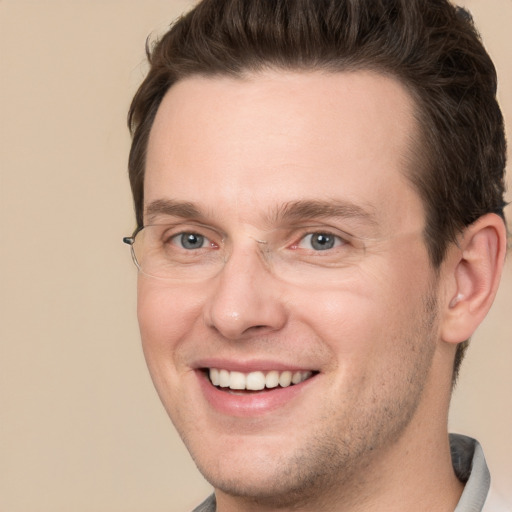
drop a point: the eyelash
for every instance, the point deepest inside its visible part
(208, 243)
(337, 240)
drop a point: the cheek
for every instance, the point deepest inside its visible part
(365, 318)
(343, 315)
(166, 315)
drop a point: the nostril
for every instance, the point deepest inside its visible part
(257, 328)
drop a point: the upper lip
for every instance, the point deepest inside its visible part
(262, 365)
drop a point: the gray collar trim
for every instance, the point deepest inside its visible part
(470, 466)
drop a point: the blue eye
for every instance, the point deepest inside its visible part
(191, 241)
(320, 241)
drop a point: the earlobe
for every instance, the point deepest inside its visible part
(474, 271)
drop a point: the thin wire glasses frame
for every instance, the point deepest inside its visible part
(130, 240)
(277, 256)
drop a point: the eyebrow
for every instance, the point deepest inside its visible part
(296, 211)
(289, 212)
(171, 208)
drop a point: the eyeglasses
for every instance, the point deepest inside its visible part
(193, 252)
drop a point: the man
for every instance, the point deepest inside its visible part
(319, 196)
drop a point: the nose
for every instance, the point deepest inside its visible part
(246, 299)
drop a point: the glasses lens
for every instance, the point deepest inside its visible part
(308, 256)
(178, 252)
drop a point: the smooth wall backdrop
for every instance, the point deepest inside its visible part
(81, 427)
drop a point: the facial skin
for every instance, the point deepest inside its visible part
(366, 324)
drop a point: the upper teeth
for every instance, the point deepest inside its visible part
(256, 381)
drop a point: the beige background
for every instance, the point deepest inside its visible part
(81, 428)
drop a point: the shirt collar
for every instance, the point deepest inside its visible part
(470, 467)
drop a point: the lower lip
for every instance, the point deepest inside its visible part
(253, 404)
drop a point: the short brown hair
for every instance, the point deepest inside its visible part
(431, 46)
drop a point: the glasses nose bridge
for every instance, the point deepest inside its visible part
(248, 249)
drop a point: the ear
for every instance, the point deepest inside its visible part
(472, 274)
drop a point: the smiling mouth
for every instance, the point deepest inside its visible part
(256, 381)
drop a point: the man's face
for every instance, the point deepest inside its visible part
(312, 261)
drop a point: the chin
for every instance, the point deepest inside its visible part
(265, 485)
(273, 474)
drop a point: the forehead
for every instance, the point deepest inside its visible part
(236, 146)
